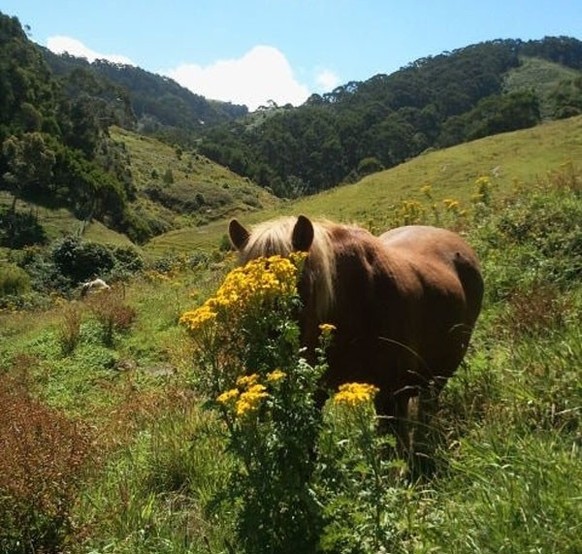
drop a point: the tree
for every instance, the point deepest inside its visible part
(30, 164)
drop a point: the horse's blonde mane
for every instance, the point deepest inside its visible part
(274, 237)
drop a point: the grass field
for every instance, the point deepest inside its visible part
(109, 446)
(508, 159)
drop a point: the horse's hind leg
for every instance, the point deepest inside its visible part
(393, 412)
(424, 437)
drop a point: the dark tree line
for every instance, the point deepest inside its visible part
(433, 102)
(142, 101)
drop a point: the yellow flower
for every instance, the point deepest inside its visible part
(198, 318)
(256, 284)
(353, 394)
(228, 396)
(250, 400)
(247, 381)
(276, 376)
(451, 204)
(426, 190)
(327, 328)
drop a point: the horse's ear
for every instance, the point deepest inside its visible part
(238, 234)
(302, 234)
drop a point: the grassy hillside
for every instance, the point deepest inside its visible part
(509, 158)
(541, 76)
(196, 206)
(185, 187)
(174, 189)
(60, 221)
(110, 447)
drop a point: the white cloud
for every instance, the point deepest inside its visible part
(61, 44)
(260, 75)
(326, 80)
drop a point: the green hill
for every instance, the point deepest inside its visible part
(182, 187)
(541, 76)
(519, 156)
(433, 102)
(173, 189)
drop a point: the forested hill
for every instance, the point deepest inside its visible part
(159, 105)
(439, 101)
(56, 112)
(57, 149)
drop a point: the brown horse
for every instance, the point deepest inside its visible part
(404, 304)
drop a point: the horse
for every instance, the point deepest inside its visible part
(404, 304)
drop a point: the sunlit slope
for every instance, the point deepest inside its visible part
(520, 156)
(181, 187)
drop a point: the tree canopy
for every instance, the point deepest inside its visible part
(433, 102)
(56, 111)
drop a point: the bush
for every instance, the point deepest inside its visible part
(369, 165)
(42, 462)
(70, 328)
(112, 314)
(271, 415)
(20, 229)
(44, 274)
(127, 261)
(13, 280)
(79, 260)
(304, 482)
(534, 237)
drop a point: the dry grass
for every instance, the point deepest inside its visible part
(532, 312)
(112, 313)
(41, 468)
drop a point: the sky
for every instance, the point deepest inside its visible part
(255, 51)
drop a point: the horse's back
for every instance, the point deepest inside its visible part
(433, 243)
(440, 258)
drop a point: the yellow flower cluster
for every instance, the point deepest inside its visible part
(411, 211)
(483, 194)
(354, 394)
(228, 397)
(327, 328)
(482, 182)
(451, 204)
(247, 397)
(259, 281)
(276, 376)
(427, 190)
(250, 400)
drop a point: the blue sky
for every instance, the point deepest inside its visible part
(252, 51)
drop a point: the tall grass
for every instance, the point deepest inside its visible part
(507, 462)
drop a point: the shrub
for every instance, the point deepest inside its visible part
(303, 483)
(248, 347)
(13, 280)
(127, 260)
(41, 469)
(43, 272)
(20, 229)
(533, 311)
(534, 236)
(80, 260)
(70, 329)
(368, 166)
